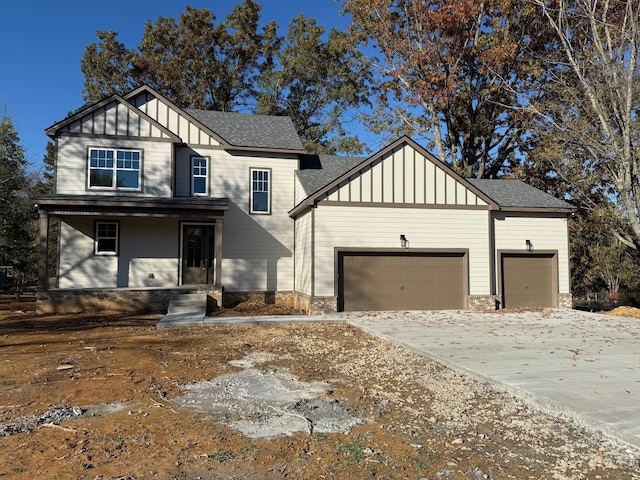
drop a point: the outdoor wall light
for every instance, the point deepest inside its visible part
(404, 243)
(529, 245)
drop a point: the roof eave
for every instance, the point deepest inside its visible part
(538, 209)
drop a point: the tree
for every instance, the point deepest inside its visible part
(235, 65)
(454, 72)
(106, 66)
(317, 83)
(592, 104)
(194, 62)
(17, 215)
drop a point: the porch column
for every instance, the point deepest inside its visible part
(43, 276)
(218, 250)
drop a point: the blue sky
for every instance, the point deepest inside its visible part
(43, 42)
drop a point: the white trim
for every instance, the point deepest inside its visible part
(97, 239)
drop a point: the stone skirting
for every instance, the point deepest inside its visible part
(134, 300)
(480, 303)
(565, 300)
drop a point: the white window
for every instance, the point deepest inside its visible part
(199, 176)
(260, 191)
(115, 169)
(107, 238)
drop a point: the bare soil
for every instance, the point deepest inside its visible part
(99, 397)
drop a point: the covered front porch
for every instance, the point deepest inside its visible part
(131, 252)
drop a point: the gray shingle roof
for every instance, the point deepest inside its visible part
(243, 130)
(517, 194)
(317, 171)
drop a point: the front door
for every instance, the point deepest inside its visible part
(198, 266)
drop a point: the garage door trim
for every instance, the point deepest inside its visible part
(554, 265)
(339, 252)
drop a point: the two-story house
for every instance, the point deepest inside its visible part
(155, 200)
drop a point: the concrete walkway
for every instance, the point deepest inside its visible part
(584, 366)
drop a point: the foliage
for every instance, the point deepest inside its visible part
(455, 72)
(233, 65)
(590, 108)
(599, 260)
(17, 215)
(315, 82)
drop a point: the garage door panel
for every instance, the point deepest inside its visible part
(405, 281)
(527, 281)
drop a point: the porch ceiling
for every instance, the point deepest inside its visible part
(93, 205)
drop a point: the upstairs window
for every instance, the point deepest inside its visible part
(115, 169)
(199, 176)
(260, 191)
(106, 238)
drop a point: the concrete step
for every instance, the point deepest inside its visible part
(188, 303)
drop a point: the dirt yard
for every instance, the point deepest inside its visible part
(108, 397)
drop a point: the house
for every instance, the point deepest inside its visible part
(154, 200)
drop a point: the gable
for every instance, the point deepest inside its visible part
(403, 174)
(114, 118)
(173, 119)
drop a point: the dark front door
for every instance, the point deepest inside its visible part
(198, 265)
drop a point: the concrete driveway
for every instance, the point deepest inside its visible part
(585, 366)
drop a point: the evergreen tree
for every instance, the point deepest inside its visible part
(17, 215)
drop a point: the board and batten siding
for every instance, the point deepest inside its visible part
(545, 231)
(139, 263)
(404, 176)
(173, 120)
(304, 253)
(72, 168)
(352, 226)
(114, 119)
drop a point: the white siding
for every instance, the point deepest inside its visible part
(404, 176)
(179, 124)
(257, 253)
(72, 165)
(79, 267)
(304, 252)
(352, 227)
(545, 231)
(300, 192)
(138, 260)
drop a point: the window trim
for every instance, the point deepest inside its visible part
(251, 190)
(205, 176)
(97, 238)
(114, 169)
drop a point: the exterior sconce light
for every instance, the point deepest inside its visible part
(404, 243)
(529, 245)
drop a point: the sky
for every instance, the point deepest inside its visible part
(43, 41)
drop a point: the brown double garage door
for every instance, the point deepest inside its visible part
(402, 281)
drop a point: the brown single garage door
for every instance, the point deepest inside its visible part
(399, 281)
(528, 280)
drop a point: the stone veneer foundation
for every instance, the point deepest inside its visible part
(134, 300)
